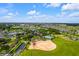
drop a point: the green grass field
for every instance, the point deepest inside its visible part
(64, 48)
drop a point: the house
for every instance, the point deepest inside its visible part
(1, 35)
(48, 37)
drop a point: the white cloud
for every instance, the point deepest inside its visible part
(49, 19)
(10, 15)
(71, 6)
(52, 5)
(6, 9)
(3, 10)
(42, 18)
(66, 14)
(75, 14)
(70, 10)
(13, 14)
(32, 12)
(7, 17)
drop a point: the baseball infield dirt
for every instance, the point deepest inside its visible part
(47, 45)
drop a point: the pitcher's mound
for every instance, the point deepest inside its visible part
(47, 45)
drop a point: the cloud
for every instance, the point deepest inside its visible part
(6, 9)
(75, 14)
(32, 12)
(71, 6)
(36, 16)
(13, 14)
(53, 5)
(10, 15)
(70, 10)
(7, 17)
(3, 10)
(67, 14)
(42, 18)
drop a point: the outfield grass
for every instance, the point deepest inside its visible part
(64, 48)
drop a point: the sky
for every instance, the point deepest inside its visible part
(39, 12)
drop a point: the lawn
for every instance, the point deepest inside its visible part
(64, 48)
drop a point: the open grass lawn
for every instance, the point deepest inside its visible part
(64, 48)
